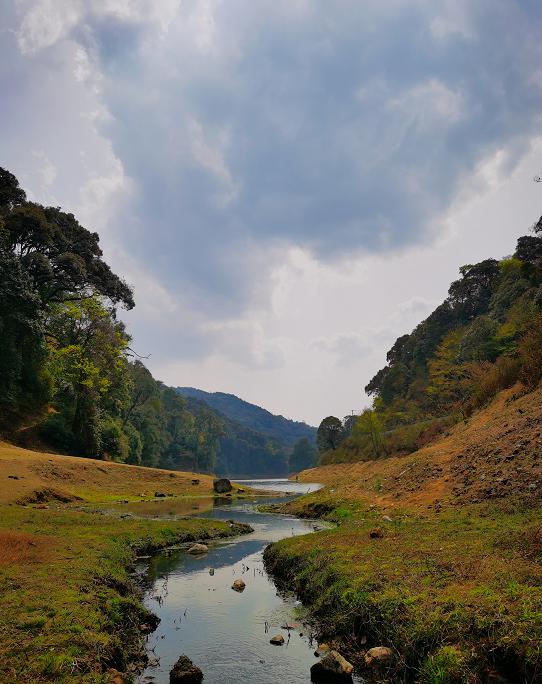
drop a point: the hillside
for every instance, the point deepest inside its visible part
(25, 473)
(436, 554)
(494, 456)
(242, 452)
(485, 337)
(283, 430)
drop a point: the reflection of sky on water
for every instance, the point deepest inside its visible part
(222, 631)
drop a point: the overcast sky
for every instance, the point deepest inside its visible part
(289, 185)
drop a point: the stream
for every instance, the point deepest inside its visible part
(223, 632)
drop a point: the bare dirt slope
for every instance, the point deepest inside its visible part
(24, 474)
(495, 455)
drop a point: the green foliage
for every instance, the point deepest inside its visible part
(304, 455)
(483, 338)
(446, 666)
(282, 430)
(329, 434)
(65, 363)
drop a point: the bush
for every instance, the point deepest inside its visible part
(530, 355)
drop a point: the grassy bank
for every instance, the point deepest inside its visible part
(457, 595)
(70, 609)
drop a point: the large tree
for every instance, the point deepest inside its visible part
(329, 434)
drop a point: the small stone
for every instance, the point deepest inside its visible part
(376, 533)
(387, 518)
(332, 667)
(185, 672)
(159, 495)
(198, 549)
(211, 571)
(277, 640)
(238, 585)
(379, 655)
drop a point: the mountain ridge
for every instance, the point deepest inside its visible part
(250, 415)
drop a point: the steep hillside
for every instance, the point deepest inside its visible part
(494, 456)
(485, 337)
(279, 428)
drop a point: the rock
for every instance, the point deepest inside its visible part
(387, 518)
(222, 485)
(277, 640)
(115, 677)
(185, 672)
(376, 533)
(379, 655)
(195, 482)
(238, 585)
(211, 571)
(198, 549)
(160, 495)
(332, 668)
(241, 490)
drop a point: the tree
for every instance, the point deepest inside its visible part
(25, 385)
(368, 425)
(10, 193)
(303, 456)
(329, 434)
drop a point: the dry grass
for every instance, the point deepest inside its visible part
(23, 548)
(23, 472)
(496, 454)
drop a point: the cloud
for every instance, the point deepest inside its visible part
(207, 139)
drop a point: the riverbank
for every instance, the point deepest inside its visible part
(458, 598)
(437, 555)
(70, 608)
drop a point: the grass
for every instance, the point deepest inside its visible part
(458, 595)
(69, 608)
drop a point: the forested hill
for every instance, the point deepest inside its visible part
(241, 451)
(485, 337)
(69, 380)
(285, 431)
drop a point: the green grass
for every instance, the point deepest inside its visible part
(458, 595)
(69, 609)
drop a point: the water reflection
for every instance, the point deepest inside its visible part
(224, 632)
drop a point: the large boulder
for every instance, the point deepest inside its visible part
(198, 549)
(332, 668)
(277, 640)
(185, 672)
(378, 656)
(222, 485)
(238, 585)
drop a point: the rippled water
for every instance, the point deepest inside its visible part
(223, 632)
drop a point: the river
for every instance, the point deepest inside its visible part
(223, 632)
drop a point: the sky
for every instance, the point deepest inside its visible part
(289, 185)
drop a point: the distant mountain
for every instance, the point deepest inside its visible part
(254, 442)
(280, 428)
(243, 452)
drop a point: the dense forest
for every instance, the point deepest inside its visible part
(255, 441)
(69, 379)
(284, 430)
(486, 336)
